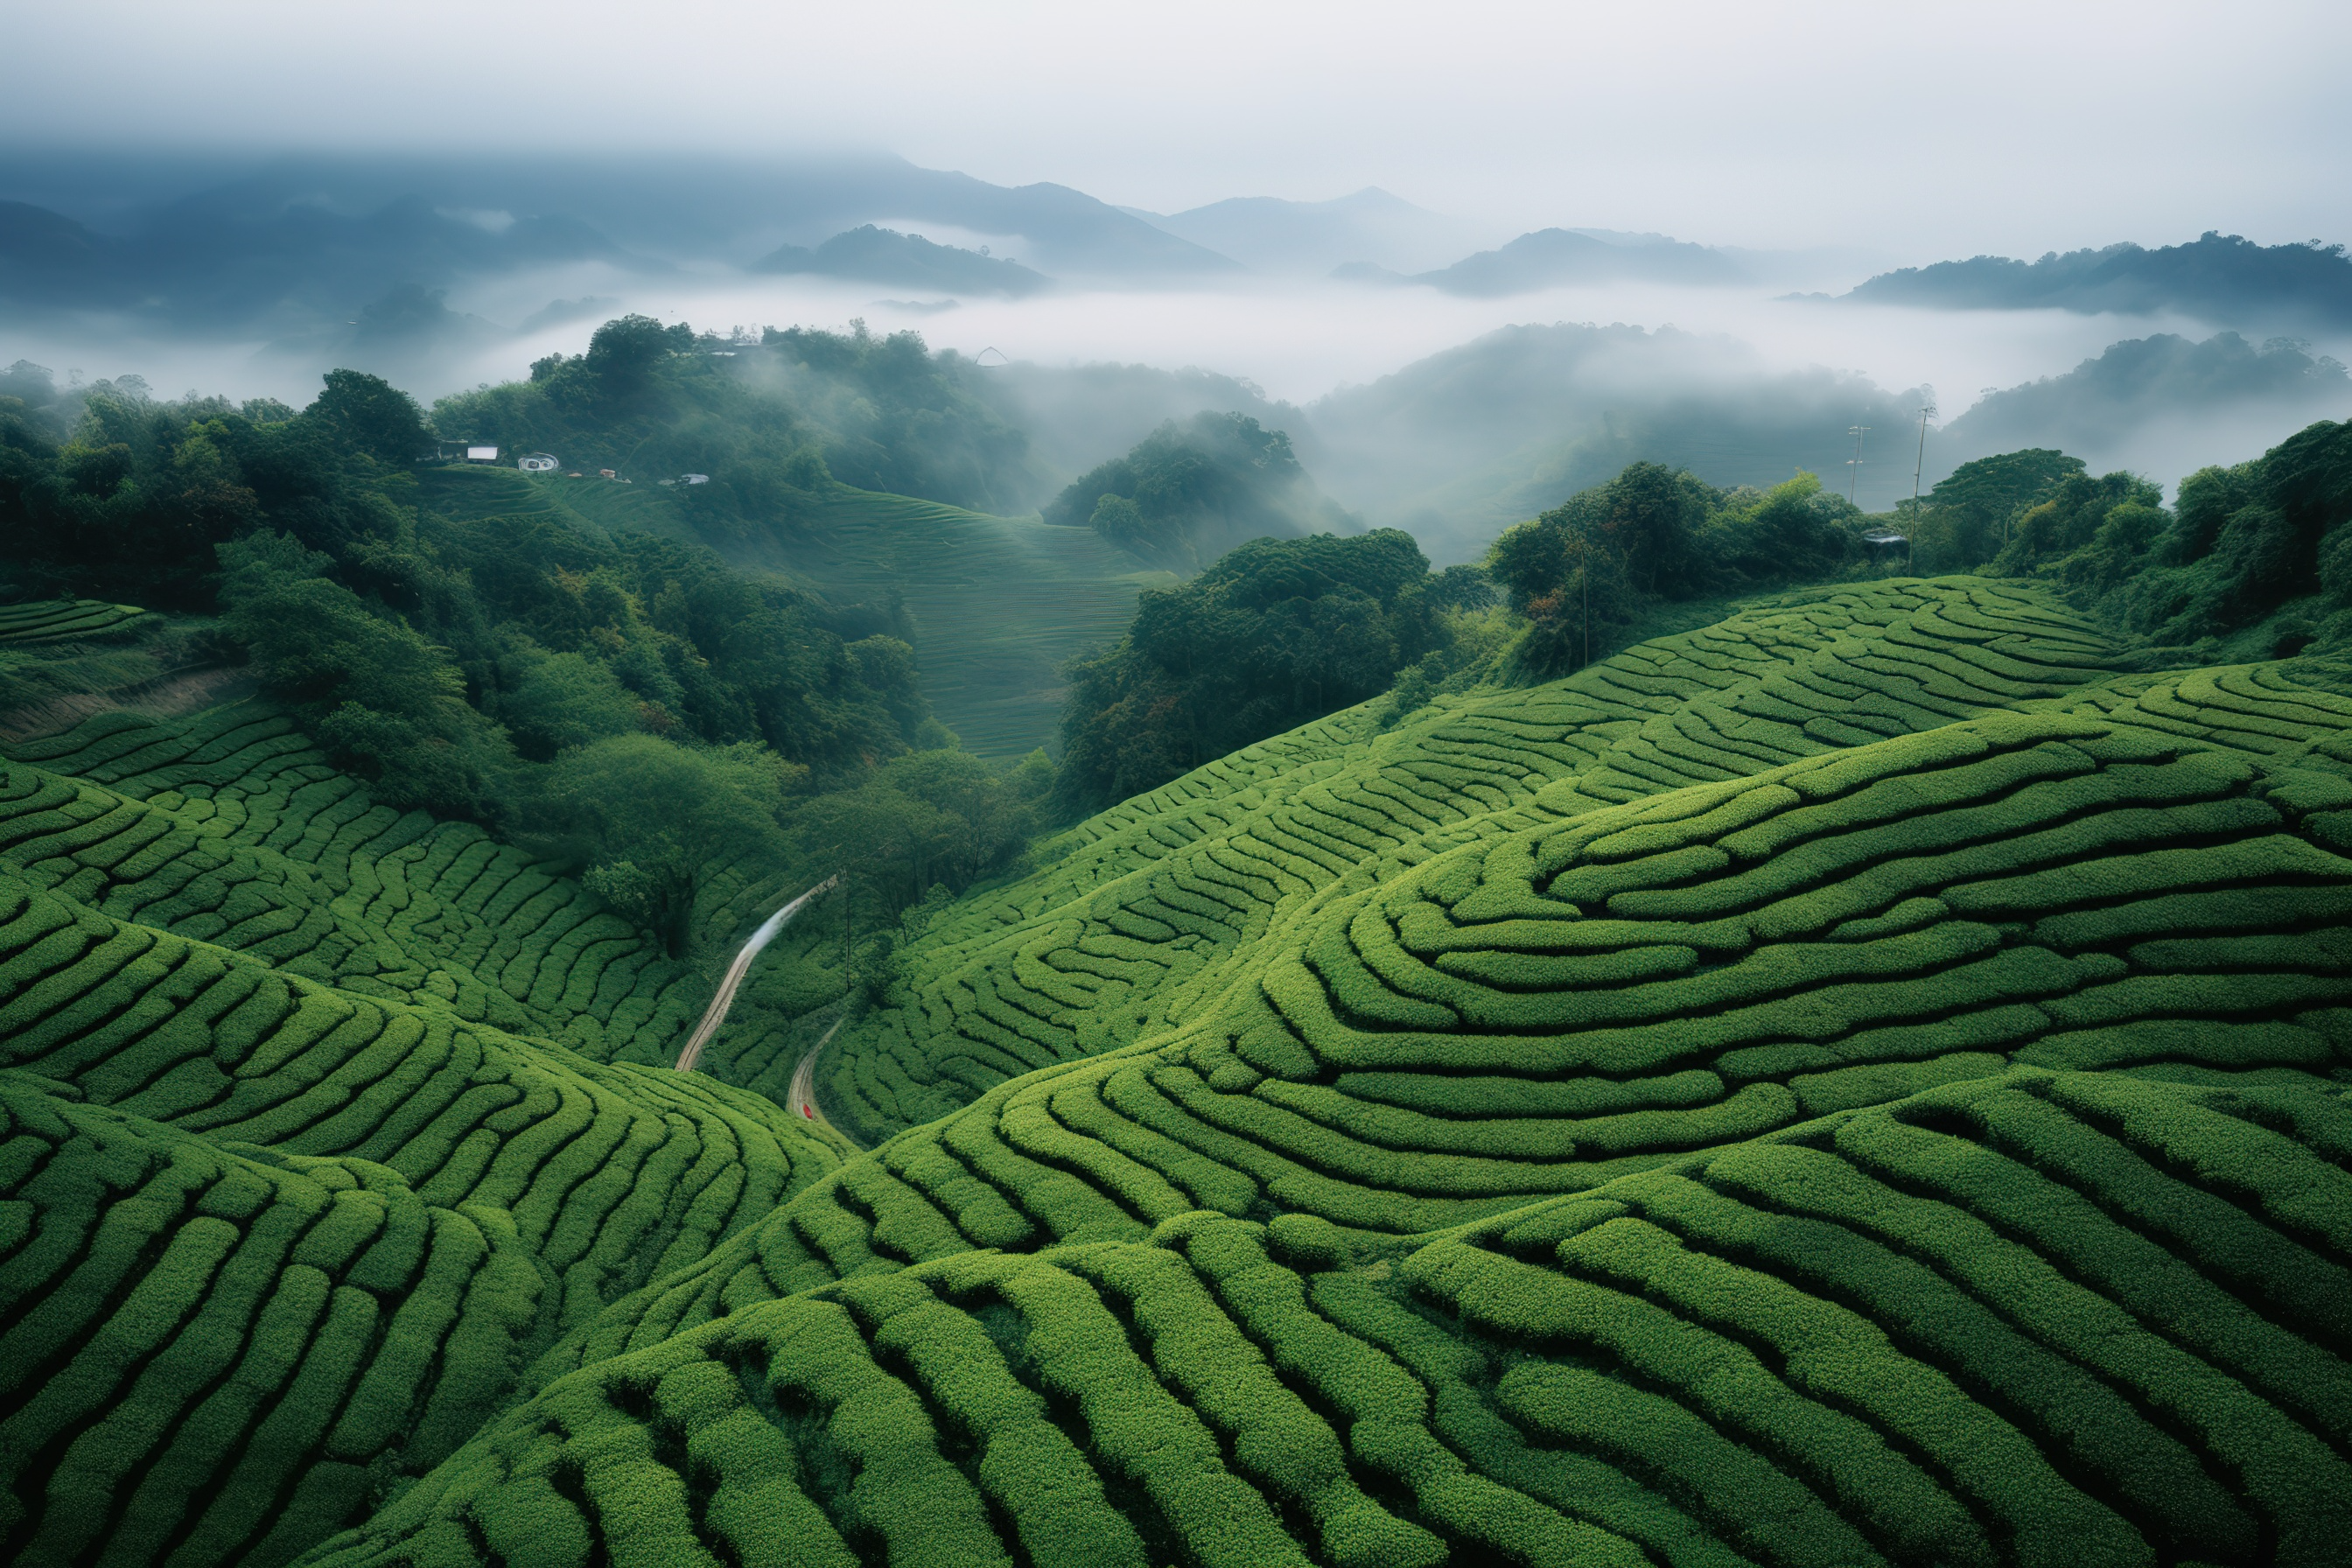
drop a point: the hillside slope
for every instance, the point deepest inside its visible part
(1860, 1084)
(998, 604)
(322, 1119)
(1131, 925)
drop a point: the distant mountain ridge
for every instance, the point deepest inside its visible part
(1551, 257)
(2224, 278)
(2160, 404)
(886, 256)
(210, 243)
(227, 262)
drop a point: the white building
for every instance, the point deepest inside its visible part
(481, 454)
(537, 463)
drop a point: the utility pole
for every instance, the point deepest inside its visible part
(1927, 412)
(1854, 464)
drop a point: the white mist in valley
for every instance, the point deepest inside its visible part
(1307, 345)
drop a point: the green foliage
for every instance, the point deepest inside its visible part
(651, 820)
(1189, 493)
(2244, 545)
(994, 606)
(135, 502)
(1278, 632)
(1582, 572)
(901, 419)
(380, 696)
(363, 413)
(771, 422)
(2072, 522)
(63, 656)
(1858, 1081)
(929, 820)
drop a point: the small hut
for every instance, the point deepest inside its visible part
(1883, 542)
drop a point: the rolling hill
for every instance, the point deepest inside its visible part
(1553, 258)
(1862, 1082)
(1457, 447)
(885, 255)
(998, 604)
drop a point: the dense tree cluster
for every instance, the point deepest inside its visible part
(898, 417)
(109, 490)
(1964, 520)
(2258, 551)
(773, 423)
(1583, 571)
(1278, 632)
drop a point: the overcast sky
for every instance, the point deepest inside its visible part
(1947, 127)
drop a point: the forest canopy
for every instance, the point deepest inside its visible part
(1276, 633)
(553, 680)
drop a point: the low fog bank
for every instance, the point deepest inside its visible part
(1452, 417)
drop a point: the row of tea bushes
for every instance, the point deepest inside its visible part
(2040, 1318)
(1608, 992)
(1150, 904)
(300, 1168)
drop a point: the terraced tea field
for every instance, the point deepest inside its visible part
(321, 1122)
(1862, 1083)
(1154, 903)
(40, 621)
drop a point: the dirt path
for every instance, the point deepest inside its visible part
(802, 1096)
(716, 1013)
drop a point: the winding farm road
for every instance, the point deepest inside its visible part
(802, 1096)
(716, 1013)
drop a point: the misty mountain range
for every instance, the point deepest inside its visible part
(1458, 446)
(2217, 277)
(210, 245)
(354, 261)
(227, 249)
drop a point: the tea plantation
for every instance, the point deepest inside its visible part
(321, 1122)
(62, 620)
(1860, 1083)
(1154, 901)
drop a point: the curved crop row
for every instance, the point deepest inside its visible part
(62, 620)
(1571, 1002)
(2043, 1318)
(1154, 905)
(298, 1170)
(1863, 1083)
(230, 828)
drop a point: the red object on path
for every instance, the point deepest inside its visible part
(809, 1111)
